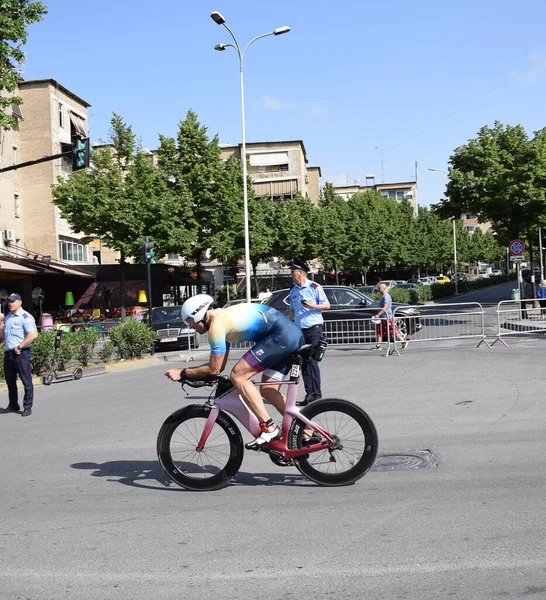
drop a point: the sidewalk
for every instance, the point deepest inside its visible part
(120, 365)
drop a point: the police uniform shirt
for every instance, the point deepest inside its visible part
(16, 327)
(312, 292)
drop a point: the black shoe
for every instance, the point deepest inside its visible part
(27, 412)
(9, 409)
(308, 398)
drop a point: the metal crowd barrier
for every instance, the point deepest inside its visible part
(519, 317)
(358, 332)
(439, 322)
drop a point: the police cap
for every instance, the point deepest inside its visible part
(297, 263)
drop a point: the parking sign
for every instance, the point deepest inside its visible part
(516, 247)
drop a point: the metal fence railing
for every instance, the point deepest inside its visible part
(516, 318)
(444, 322)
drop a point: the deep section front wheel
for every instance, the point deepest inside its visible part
(207, 469)
(355, 442)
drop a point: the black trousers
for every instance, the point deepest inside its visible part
(310, 367)
(18, 364)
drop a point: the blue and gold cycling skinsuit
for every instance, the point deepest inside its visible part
(276, 336)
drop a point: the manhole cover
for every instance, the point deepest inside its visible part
(404, 461)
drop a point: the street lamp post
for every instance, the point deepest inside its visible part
(454, 241)
(219, 19)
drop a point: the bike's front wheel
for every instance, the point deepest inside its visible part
(355, 442)
(199, 470)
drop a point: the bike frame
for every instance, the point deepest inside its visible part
(233, 403)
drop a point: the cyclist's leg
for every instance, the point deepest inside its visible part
(241, 376)
(272, 393)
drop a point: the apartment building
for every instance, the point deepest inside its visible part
(471, 223)
(278, 169)
(49, 119)
(402, 190)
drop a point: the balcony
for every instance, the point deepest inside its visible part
(285, 188)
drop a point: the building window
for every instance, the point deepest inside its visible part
(72, 250)
(16, 205)
(61, 115)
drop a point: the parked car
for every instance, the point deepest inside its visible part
(366, 289)
(407, 286)
(241, 301)
(347, 306)
(390, 283)
(461, 276)
(171, 330)
(496, 272)
(425, 280)
(442, 279)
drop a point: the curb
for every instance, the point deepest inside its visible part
(95, 370)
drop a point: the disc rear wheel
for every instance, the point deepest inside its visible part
(355, 442)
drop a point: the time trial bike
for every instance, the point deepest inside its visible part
(331, 441)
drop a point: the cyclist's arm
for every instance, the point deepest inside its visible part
(215, 366)
(291, 315)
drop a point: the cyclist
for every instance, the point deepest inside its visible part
(276, 339)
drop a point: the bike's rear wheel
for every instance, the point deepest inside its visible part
(355, 437)
(210, 468)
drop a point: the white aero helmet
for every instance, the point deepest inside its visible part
(196, 307)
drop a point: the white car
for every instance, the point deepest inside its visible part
(390, 283)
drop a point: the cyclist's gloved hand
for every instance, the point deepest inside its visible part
(176, 374)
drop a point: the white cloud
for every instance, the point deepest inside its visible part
(270, 103)
(535, 73)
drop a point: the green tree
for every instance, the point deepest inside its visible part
(499, 177)
(295, 223)
(333, 230)
(191, 164)
(15, 16)
(123, 198)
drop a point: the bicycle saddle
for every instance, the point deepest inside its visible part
(301, 349)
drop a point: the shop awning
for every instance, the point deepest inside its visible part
(9, 267)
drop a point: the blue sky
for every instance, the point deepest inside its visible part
(409, 81)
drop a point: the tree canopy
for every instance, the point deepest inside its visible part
(15, 16)
(123, 198)
(499, 177)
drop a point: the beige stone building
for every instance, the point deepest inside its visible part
(49, 119)
(402, 190)
(278, 169)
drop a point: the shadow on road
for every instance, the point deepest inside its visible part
(148, 474)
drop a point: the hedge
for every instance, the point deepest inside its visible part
(130, 340)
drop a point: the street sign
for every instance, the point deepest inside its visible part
(516, 247)
(517, 258)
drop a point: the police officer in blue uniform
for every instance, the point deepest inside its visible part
(307, 301)
(19, 331)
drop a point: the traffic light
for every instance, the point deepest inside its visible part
(148, 252)
(80, 154)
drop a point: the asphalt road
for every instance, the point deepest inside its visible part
(87, 513)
